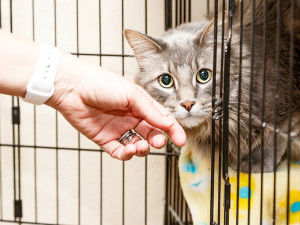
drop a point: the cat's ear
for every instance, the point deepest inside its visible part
(143, 45)
(208, 33)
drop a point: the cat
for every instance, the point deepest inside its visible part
(177, 69)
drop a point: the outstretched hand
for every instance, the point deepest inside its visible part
(103, 106)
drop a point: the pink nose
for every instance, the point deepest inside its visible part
(188, 105)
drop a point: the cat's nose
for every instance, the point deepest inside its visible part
(188, 105)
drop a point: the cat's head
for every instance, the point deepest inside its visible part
(176, 70)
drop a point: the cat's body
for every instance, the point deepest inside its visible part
(176, 70)
(195, 179)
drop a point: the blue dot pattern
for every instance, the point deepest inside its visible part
(189, 167)
(295, 207)
(244, 191)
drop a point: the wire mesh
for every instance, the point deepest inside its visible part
(13, 207)
(255, 31)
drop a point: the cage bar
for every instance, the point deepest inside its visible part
(168, 14)
(251, 105)
(263, 113)
(213, 103)
(239, 109)
(100, 152)
(291, 64)
(220, 118)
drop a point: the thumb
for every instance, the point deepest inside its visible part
(148, 109)
(156, 115)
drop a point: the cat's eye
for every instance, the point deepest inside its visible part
(165, 80)
(203, 76)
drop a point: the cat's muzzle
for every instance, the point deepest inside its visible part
(126, 137)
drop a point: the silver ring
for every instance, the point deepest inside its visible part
(126, 137)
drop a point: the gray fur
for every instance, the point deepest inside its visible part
(183, 51)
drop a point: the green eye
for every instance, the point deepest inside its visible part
(166, 80)
(203, 76)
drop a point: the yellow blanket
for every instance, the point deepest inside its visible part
(195, 177)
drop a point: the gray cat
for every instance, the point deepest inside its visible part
(176, 70)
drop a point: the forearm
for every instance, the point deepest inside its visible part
(18, 58)
(18, 62)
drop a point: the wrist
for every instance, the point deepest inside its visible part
(66, 79)
(41, 85)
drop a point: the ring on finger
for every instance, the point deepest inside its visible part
(126, 137)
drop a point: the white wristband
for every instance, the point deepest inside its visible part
(41, 86)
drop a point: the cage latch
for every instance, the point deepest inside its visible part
(227, 196)
(18, 209)
(16, 115)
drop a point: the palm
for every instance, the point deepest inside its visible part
(105, 125)
(103, 106)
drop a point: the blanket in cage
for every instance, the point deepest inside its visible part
(195, 178)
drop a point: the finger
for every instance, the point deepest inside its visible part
(137, 147)
(135, 139)
(157, 139)
(142, 146)
(147, 108)
(128, 152)
(177, 134)
(157, 116)
(154, 136)
(116, 150)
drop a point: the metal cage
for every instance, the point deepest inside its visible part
(176, 211)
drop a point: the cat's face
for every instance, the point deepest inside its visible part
(176, 70)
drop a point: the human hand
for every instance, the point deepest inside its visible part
(103, 106)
